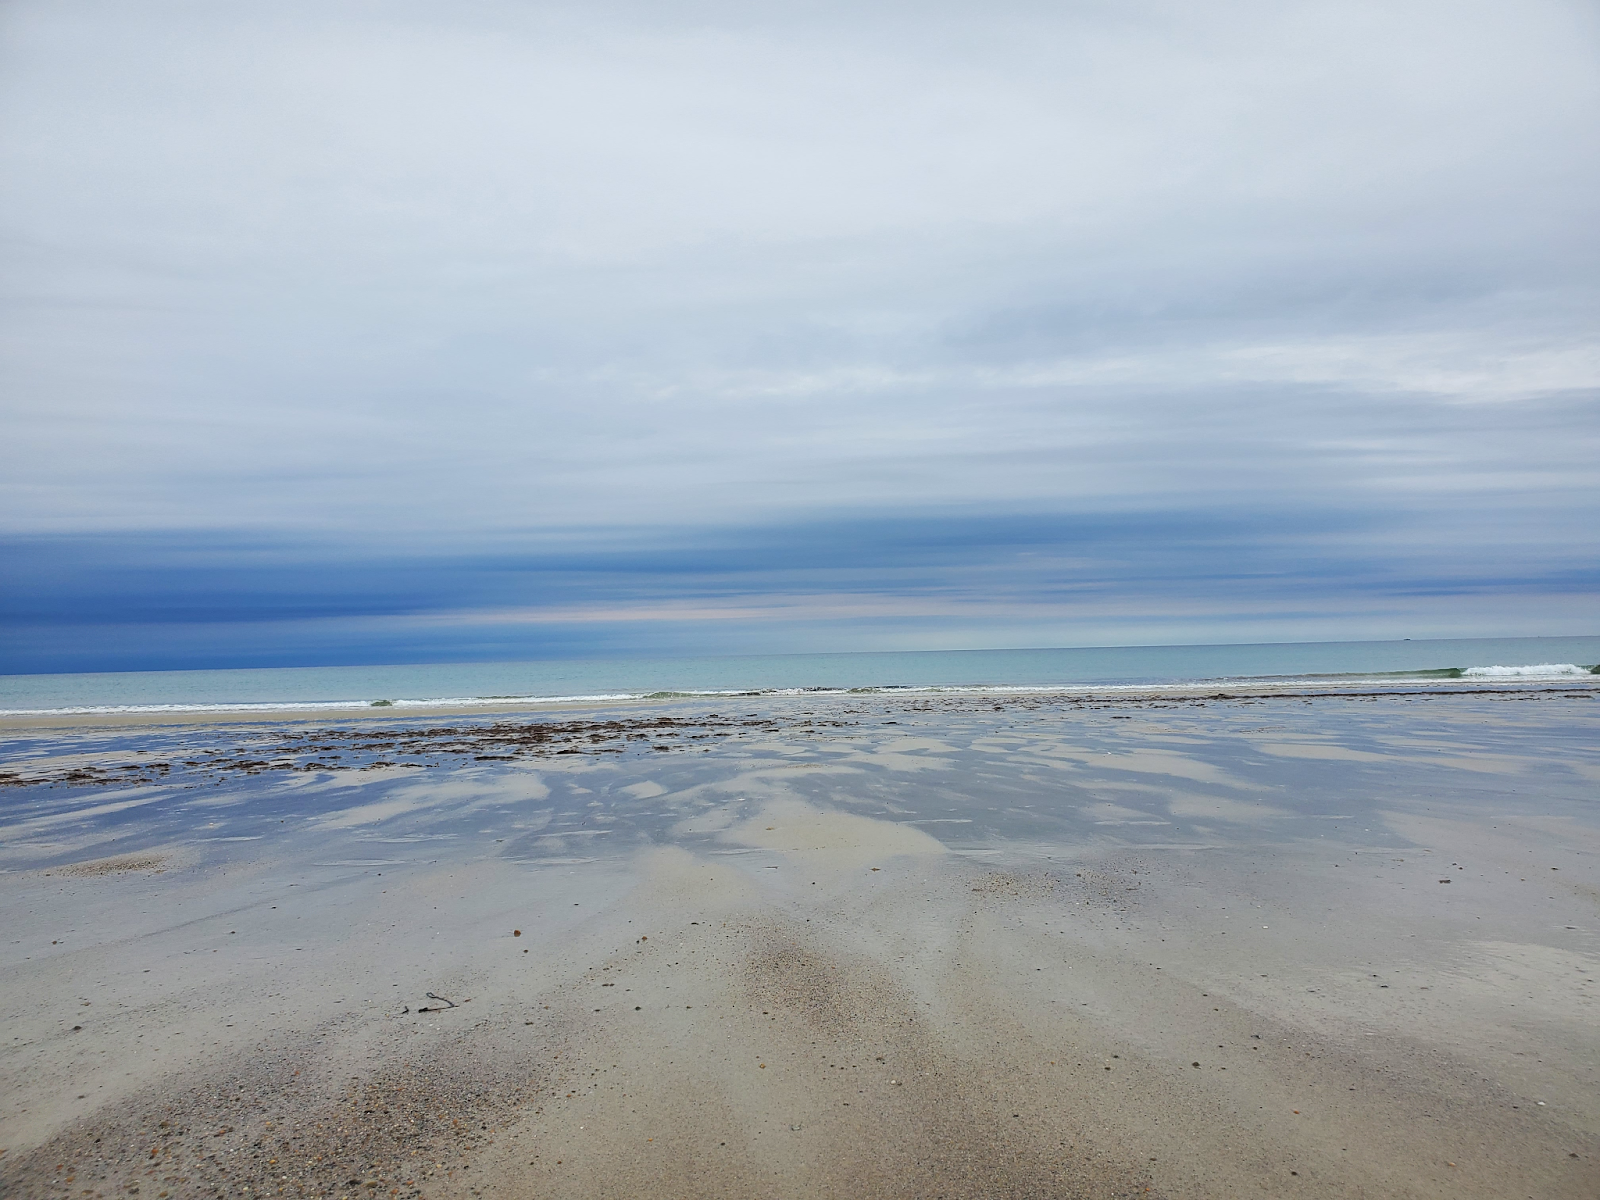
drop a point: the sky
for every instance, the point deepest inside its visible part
(358, 332)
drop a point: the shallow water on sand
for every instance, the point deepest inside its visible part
(979, 775)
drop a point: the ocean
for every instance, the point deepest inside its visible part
(1458, 662)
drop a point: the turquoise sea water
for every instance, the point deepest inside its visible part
(1406, 663)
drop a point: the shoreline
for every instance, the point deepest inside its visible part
(1110, 694)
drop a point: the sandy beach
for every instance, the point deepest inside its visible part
(799, 601)
(1004, 946)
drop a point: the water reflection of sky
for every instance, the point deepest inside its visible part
(974, 775)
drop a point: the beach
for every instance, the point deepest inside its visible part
(799, 601)
(1311, 943)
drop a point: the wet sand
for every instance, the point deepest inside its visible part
(948, 946)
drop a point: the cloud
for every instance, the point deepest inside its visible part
(426, 284)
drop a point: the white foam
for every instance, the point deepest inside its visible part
(1537, 671)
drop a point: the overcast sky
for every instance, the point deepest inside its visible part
(347, 331)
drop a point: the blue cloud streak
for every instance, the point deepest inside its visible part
(153, 601)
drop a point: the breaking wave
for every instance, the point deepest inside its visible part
(1538, 671)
